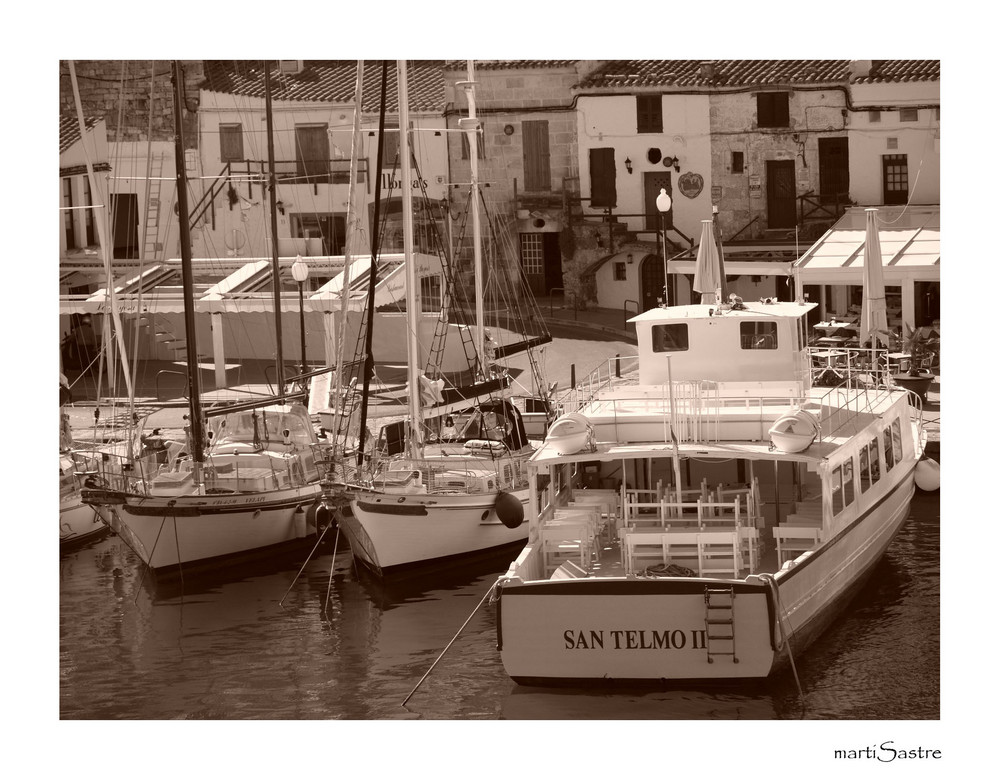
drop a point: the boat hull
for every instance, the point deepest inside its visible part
(397, 535)
(629, 630)
(184, 534)
(80, 522)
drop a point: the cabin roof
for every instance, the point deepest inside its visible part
(693, 311)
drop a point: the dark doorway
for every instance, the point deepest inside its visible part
(541, 261)
(926, 302)
(652, 183)
(834, 180)
(125, 225)
(651, 282)
(780, 194)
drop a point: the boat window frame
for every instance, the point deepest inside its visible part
(848, 475)
(871, 472)
(756, 338)
(836, 490)
(897, 440)
(677, 332)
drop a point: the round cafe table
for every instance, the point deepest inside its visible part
(830, 356)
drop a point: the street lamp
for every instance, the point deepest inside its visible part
(663, 204)
(300, 272)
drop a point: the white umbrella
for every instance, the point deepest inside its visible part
(874, 321)
(708, 275)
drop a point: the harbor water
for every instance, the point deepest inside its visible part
(335, 644)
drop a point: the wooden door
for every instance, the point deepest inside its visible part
(537, 174)
(780, 194)
(834, 181)
(652, 183)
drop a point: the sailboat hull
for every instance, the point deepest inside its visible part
(184, 534)
(395, 535)
(79, 522)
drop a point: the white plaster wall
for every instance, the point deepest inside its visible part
(610, 121)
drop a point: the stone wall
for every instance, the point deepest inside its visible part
(119, 91)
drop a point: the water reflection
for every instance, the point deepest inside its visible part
(334, 643)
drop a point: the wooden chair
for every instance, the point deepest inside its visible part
(794, 540)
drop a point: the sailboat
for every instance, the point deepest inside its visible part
(246, 485)
(750, 505)
(457, 497)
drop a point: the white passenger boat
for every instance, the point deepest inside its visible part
(690, 537)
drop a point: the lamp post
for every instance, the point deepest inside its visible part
(663, 205)
(300, 272)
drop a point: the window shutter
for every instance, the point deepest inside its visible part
(603, 192)
(537, 176)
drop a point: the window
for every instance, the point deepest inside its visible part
(430, 293)
(897, 441)
(68, 220)
(890, 459)
(772, 109)
(868, 464)
(737, 165)
(88, 200)
(312, 153)
(758, 335)
(874, 117)
(390, 144)
(670, 338)
(649, 114)
(837, 490)
(537, 171)
(231, 142)
(620, 274)
(895, 184)
(848, 482)
(907, 115)
(480, 153)
(532, 254)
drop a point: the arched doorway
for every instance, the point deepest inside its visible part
(651, 282)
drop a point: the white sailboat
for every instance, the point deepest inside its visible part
(453, 500)
(748, 507)
(247, 489)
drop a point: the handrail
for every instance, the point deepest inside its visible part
(209, 197)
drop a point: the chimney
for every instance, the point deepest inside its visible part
(861, 69)
(708, 70)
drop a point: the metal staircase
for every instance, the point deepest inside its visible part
(720, 626)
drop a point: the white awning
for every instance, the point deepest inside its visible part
(910, 238)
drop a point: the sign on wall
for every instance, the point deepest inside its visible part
(690, 184)
(755, 185)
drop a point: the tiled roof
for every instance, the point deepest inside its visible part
(715, 73)
(509, 64)
(69, 129)
(331, 81)
(902, 70)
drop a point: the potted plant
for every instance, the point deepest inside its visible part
(918, 344)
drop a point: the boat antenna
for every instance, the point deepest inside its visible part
(187, 278)
(275, 270)
(369, 365)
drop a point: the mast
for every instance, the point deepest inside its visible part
(369, 367)
(471, 125)
(275, 271)
(412, 283)
(187, 276)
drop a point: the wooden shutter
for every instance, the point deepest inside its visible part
(603, 192)
(231, 142)
(312, 150)
(537, 176)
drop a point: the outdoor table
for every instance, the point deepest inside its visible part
(831, 356)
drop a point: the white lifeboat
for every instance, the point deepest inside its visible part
(794, 431)
(571, 433)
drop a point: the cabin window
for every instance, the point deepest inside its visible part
(848, 482)
(897, 441)
(868, 464)
(837, 490)
(231, 142)
(759, 335)
(670, 338)
(890, 461)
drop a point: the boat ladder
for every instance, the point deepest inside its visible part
(720, 626)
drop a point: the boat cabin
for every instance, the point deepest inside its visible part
(743, 342)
